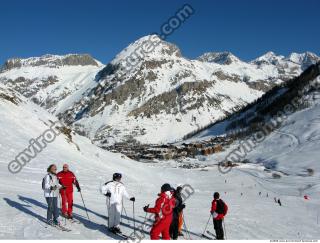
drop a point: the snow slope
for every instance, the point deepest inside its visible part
(22, 205)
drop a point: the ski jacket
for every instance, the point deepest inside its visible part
(164, 206)
(219, 209)
(117, 190)
(51, 180)
(68, 179)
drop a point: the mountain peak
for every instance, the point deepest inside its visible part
(306, 58)
(224, 58)
(150, 46)
(51, 61)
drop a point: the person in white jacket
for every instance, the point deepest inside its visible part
(115, 191)
(51, 186)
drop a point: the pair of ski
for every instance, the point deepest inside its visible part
(210, 237)
(62, 228)
(118, 234)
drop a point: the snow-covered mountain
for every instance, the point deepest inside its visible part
(287, 121)
(165, 95)
(23, 206)
(160, 97)
(54, 82)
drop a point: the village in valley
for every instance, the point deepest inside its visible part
(152, 152)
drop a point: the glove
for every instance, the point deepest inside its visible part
(53, 188)
(183, 206)
(108, 194)
(133, 199)
(79, 189)
(145, 208)
(63, 187)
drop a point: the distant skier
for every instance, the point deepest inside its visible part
(259, 193)
(219, 210)
(115, 191)
(67, 179)
(177, 216)
(51, 186)
(279, 202)
(163, 211)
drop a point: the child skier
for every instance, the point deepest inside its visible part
(177, 216)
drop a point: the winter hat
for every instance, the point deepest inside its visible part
(166, 187)
(179, 189)
(116, 176)
(216, 195)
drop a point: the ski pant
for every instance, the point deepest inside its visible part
(52, 211)
(161, 227)
(67, 202)
(218, 228)
(180, 224)
(174, 227)
(114, 215)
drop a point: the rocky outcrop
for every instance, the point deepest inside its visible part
(50, 61)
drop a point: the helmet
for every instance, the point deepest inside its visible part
(166, 187)
(216, 195)
(116, 176)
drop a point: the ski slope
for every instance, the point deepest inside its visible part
(22, 205)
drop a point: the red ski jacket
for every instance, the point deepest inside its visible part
(67, 179)
(164, 206)
(218, 214)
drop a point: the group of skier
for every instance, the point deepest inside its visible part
(53, 184)
(168, 208)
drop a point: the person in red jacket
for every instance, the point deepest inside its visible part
(67, 179)
(163, 210)
(218, 210)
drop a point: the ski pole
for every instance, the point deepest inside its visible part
(84, 206)
(134, 219)
(224, 226)
(108, 209)
(207, 224)
(65, 198)
(185, 226)
(125, 212)
(121, 213)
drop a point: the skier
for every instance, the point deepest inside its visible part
(51, 186)
(115, 191)
(177, 216)
(163, 210)
(219, 210)
(67, 179)
(279, 202)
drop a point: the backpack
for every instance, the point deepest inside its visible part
(44, 181)
(220, 207)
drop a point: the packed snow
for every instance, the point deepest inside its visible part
(251, 216)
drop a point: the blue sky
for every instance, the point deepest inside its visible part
(102, 28)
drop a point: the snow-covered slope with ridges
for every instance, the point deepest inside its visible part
(165, 95)
(157, 96)
(250, 216)
(55, 82)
